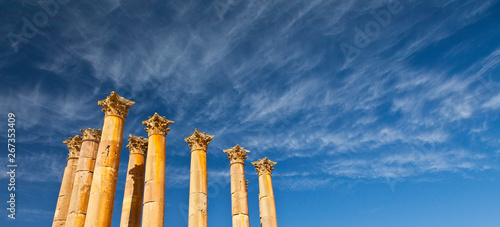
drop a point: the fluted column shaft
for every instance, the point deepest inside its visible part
(102, 191)
(64, 198)
(134, 184)
(239, 197)
(83, 178)
(198, 142)
(154, 189)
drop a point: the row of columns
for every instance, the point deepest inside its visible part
(88, 187)
(239, 198)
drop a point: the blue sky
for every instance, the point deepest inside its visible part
(379, 113)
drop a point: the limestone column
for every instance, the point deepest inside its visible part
(154, 189)
(102, 191)
(134, 184)
(83, 177)
(64, 198)
(239, 197)
(198, 142)
(266, 195)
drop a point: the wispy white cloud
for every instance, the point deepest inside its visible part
(268, 76)
(405, 164)
(30, 163)
(493, 103)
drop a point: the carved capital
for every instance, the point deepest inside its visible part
(137, 144)
(74, 144)
(237, 154)
(264, 166)
(157, 125)
(91, 135)
(115, 105)
(198, 140)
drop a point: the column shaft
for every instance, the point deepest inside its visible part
(134, 185)
(198, 142)
(64, 199)
(266, 202)
(239, 197)
(102, 192)
(198, 189)
(83, 179)
(264, 167)
(65, 193)
(154, 190)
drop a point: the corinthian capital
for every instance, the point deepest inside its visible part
(198, 140)
(237, 154)
(264, 166)
(115, 105)
(91, 135)
(137, 144)
(157, 125)
(74, 144)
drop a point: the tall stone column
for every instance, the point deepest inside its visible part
(239, 197)
(102, 191)
(266, 195)
(198, 142)
(83, 177)
(154, 189)
(64, 198)
(134, 185)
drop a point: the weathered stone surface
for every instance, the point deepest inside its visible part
(239, 196)
(268, 222)
(240, 220)
(59, 224)
(198, 140)
(264, 166)
(265, 185)
(155, 214)
(83, 177)
(64, 199)
(115, 105)
(240, 202)
(198, 187)
(198, 182)
(134, 184)
(267, 205)
(198, 219)
(237, 154)
(154, 189)
(157, 125)
(79, 220)
(198, 204)
(102, 191)
(74, 144)
(137, 144)
(91, 134)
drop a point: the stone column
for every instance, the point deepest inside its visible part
(154, 189)
(266, 195)
(198, 142)
(64, 198)
(83, 177)
(134, 185)
(102, 191)
(239, 199)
